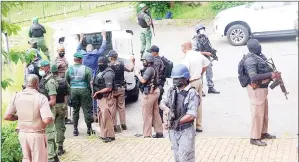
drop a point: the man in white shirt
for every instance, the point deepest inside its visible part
(197, 65)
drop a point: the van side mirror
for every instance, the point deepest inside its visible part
(130, 31)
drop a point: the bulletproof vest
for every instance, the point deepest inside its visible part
(62, 66)
(141, 20)
(62, 89)
(99, 81)
(262, 66)
(77, 75)
(181, 107)
(37, 30)
(119, 69)
(153, 79)
(159, 66)
(28, 111)
(42, 86)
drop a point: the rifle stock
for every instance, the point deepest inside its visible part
(172, 107)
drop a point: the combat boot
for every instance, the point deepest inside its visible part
(56, 159)
(60, 150)
(123, 126)
(90, 131)
(267, 136)
(158, 135)
(68, 121)
(76, 132)
(212, 90)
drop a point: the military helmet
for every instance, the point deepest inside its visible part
(112, 53)
(142, 5)
(198, 27)
(103, 60)
(35, 20)
(54, 68)
(180, 71)
(148, 57)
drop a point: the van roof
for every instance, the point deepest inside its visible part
(94, 26)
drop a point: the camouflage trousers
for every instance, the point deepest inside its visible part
(61, 110)
(183, 144)
(146, 40)
(209, 76)
(51, 133)
(41, 45)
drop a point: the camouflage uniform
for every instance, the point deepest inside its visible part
(146, 34)
(39, 30)
(183, 140)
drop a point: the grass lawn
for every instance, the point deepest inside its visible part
(203, 12)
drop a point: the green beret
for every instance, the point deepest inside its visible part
(78, 55)
(54, 68)
(44, 63)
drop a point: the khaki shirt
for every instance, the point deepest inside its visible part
(195, 61)
(45, 111)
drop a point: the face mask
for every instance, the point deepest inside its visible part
(259, 49)
(61, 54)
(144, 63)
(178, 82)
(42, 73)
(34, 46)
(102, 67)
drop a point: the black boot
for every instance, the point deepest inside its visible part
(60, 150)
(68, 121)
(267, 136)
(76, 132)
(123, 126)
(203, 94)
(106, 140)
(158, 135)
(257, 142)
(56, 159)
(212, 90)
(90, 131)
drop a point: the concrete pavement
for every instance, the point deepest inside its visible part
(207, 149)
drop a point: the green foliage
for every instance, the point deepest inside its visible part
(157, 9)
(183, 11)
(6, 83)
(7, 27)
(10, 146)
(219, 6)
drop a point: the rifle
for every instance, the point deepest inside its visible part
(278, 81)
(172, 107)
(210, 48)
(152, 22)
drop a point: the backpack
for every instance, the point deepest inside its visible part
(243, 77)
(168, 67)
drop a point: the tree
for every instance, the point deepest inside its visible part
(11, 29)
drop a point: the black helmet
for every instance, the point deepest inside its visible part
(112, 53)
(103, 60)
(148, 57)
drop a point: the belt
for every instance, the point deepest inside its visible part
(194, 80)
(184, 126)
(31, 131)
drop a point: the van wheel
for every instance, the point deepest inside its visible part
(237, 35)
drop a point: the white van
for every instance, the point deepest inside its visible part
(117, 39)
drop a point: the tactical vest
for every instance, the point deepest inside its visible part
(160, 67)
(62, 66)
(61, 91)
(37, 30)
(205, 43)
(181, 106)
(42, 87)
(141, 20)
(28, 111)
(77, 75)
(151, 83)
(99, 82)
(119, 69)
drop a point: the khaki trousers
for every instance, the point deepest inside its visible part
(34, 147)
(150, 113)
(119, 96)
(105, 116)
(197, 84)
(259, 111)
